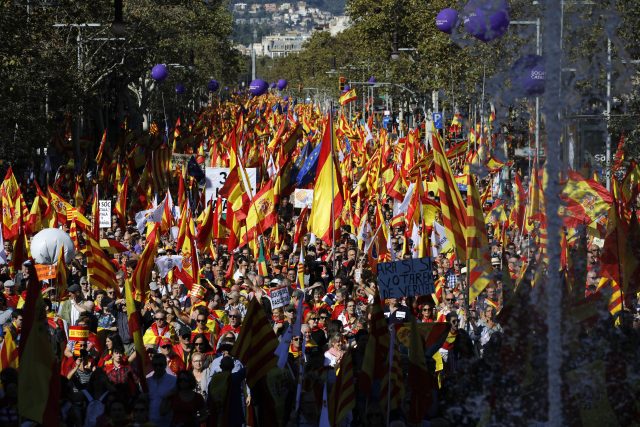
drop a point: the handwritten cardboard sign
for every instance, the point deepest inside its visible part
(405, 278)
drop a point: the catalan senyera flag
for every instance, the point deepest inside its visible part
(615, 297)
(261, 214)
(39, 386)
(348, 96)
(479, 272)
(256, 344)
(453, 210)
(326, 191)
(140, 277)
(99, 267)
(342, 398)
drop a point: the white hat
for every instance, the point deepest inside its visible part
(153, 286)
(9, 284)
(463, 270)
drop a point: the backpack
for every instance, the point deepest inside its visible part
(95, 408)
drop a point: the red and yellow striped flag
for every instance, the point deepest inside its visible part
(120, 208)
(256, 344)
(100, 269)
(140, 277)
(135, 329)
(479, 271)
(453, 209)
(343, 394)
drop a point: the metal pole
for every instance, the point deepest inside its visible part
(253, 55)
(553, 104)
(608, 116)
(537, 129)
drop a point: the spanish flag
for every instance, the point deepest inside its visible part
(348, 96)
(261, 214)
(326, 191)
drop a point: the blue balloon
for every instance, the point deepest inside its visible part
(180, 89)
(282, 84)
(159, 72)
(447, 20)
(528, 75)
(213, 85)
(486, 20)
(258, 87)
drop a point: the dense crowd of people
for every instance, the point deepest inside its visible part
(488, 359)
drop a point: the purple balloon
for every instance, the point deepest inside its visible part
(258, 87)
(272, 85)
(347, 88)
(282, 84)
(446, 20)
(372, 80)
(286, 98)
(486, 21)
(528, 75)
(213, 85)
(180, 89)
(159, 72)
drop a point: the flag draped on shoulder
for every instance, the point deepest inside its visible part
(327, 197)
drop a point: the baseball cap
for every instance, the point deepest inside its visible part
(9, 284)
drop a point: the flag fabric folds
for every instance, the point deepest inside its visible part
(256, 344)
(327, 197)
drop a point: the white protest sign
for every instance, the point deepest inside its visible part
(280, 297)
(302, 198)
(215, 179)
(105, 213)
(405, 278)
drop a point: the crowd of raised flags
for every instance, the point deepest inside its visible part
(335, 353)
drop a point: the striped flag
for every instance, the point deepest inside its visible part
(95, 212)
(99, 267)
(262, 261)
(342, 398)
(453, 209)
(160, 159)
(377, 349)
(140, 277)
(479, 272)
(256, 344)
